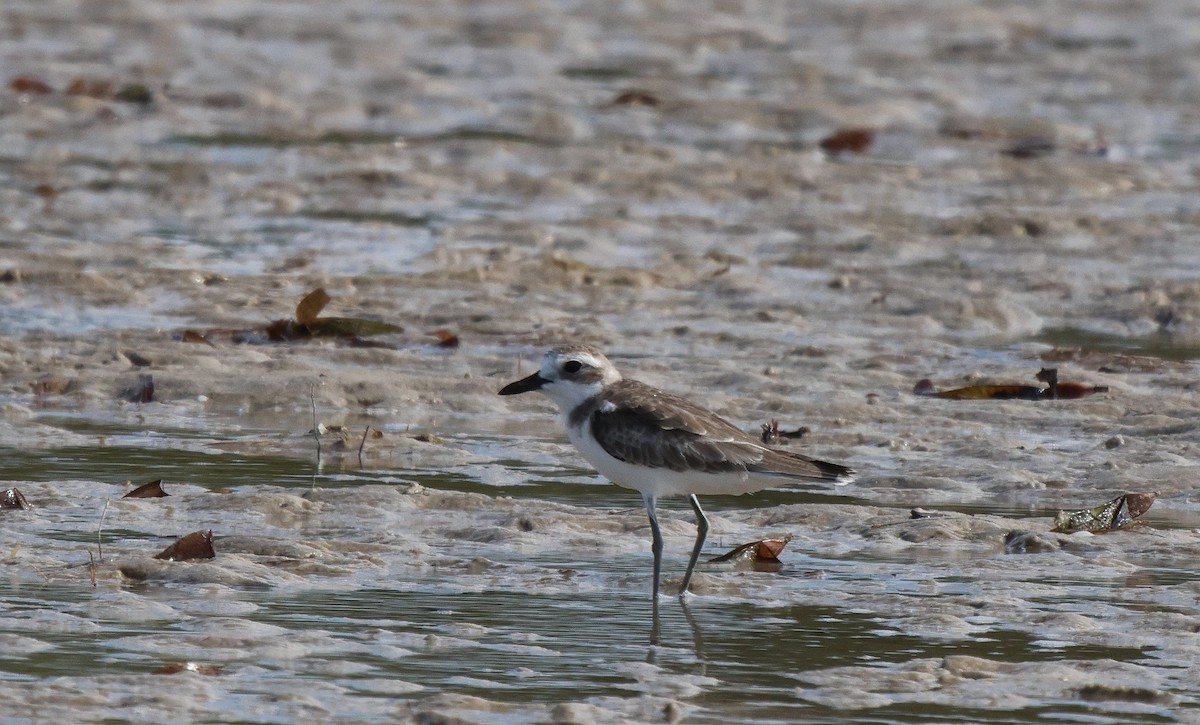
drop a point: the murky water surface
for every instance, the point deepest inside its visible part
(645, 177)
(348, 613)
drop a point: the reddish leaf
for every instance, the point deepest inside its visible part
(1011, 391)
(770, 548)
(29, 84)
(196, 545)
(12, 498)
(761, 550)
(147, 490)
(854, 140)
(46, 191)
(1008, 391)
(446, 338)
(1074, 391)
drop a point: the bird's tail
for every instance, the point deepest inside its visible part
(796, 465)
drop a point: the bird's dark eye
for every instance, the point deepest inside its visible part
(572, 366)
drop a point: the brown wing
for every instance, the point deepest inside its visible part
(639, 424)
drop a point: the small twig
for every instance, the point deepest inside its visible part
(92, 568)
(362, 443)
(100, 532)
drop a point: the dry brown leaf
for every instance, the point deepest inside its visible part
(854, 140)
(90, 87)
(1012, 391)
(196, 545)
(29, 84)
(312, 304)
(148, 490)
(990, 392)
(446, 338)
(763, 549)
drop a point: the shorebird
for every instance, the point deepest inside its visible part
(660, 444)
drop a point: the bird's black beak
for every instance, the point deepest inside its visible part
(524, 385)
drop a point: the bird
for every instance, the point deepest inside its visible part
(660, 444)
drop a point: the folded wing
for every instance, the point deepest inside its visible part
(642, 425)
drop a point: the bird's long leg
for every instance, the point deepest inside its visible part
(701, 533)
(656, 545)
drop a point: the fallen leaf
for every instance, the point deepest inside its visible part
(148, 490)
(196, 545)
(312, 304)
(989, 392)
(283, 331)
(1108, 516)
(1074, 391)
(347, 326)
(1012, 391)
(91, 88)
(307, 325)
(634, 97)
(12, 498)
(854, 140)
(29, 84)
(199, 668)
(762, 550)
(356, 341)
(446, 338)
(770, 548)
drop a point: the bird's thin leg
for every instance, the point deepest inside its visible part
(655, 628)
(656, 545)
(701, 533)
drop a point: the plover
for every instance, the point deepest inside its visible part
(660, 444)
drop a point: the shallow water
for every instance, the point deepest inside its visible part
(468, 605)
(469, 167)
